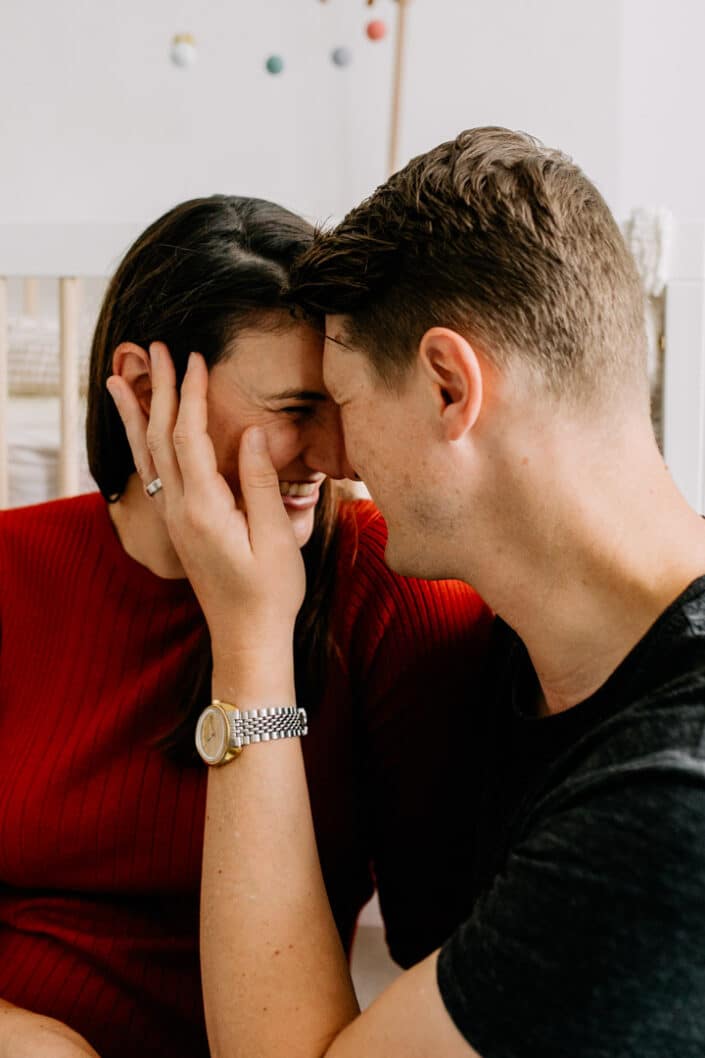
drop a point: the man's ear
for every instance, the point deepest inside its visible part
(132, 363)
(452, 365)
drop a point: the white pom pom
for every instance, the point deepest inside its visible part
(183, 50)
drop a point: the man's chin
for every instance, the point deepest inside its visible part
(398, 560)
(409, 562)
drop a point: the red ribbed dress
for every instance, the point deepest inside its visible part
(101, 833)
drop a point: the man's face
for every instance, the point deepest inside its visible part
(388, 441)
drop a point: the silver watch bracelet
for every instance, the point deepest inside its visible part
(248, 726)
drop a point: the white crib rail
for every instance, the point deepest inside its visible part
(4, 471)
(67, 253)
(69, 308)
(684, 372)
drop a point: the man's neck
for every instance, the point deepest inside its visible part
(592, 572)
(143, 533)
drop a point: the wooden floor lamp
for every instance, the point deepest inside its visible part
(397, 83)
(397, 86)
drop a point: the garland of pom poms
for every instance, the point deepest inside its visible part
(183, 53)
(376, 29)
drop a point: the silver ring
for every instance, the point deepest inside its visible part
(154, 486)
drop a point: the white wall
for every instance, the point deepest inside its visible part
(549, 67)
(99, 125)
(662, 135)
(102, 126)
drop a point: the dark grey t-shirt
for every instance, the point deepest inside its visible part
(587, 936)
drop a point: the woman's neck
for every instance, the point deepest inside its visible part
(143, 532)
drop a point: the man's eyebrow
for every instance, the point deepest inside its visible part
(299, 394)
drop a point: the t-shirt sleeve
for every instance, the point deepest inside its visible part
(420, 651)
(591, 942)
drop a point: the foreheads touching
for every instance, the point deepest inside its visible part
(501, 240)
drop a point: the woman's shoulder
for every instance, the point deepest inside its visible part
(369, 580)
(377, 609)
(361, 529)
(51, 522)
(87, 505)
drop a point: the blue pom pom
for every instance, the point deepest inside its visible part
(342, 56)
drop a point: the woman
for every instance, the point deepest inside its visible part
(105, 665)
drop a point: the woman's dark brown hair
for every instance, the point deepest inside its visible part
(195, 278)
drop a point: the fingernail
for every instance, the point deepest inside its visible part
(113, 390)
(153, 352)
(256, 439)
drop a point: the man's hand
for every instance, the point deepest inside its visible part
(27, 1035)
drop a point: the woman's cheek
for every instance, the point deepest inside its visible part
(284, 442)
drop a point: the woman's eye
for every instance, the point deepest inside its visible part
(302, 410)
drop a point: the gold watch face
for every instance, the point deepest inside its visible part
(212, 735)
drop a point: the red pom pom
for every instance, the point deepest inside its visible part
(377, 30)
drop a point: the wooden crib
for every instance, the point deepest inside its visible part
(68, 255)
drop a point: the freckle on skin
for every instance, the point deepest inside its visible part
(277, 951)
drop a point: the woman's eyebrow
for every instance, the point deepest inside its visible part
(300, 394)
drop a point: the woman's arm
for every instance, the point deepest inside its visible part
(27, 1035)
(276, 983)
(275, 978)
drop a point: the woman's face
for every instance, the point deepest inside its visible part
(274, 379)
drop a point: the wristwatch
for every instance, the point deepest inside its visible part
(223, 730)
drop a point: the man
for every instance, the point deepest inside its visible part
(486, 350)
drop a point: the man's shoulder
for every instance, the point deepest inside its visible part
(647, 758)
(609, 858)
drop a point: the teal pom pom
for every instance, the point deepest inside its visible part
(275, 64)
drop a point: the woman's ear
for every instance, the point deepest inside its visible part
(132, 363)
(452, 366)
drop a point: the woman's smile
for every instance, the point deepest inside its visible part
(300, 495)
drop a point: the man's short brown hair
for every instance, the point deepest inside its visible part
(499, 238)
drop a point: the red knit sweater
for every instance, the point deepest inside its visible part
(101, 834)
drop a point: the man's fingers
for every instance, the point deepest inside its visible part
(135, 422)
(259, 484)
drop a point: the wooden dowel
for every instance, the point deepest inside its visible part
(4, 345)
(397, 86)
(30, 297)
(69, 302)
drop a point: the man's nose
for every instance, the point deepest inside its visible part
(325, 447)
